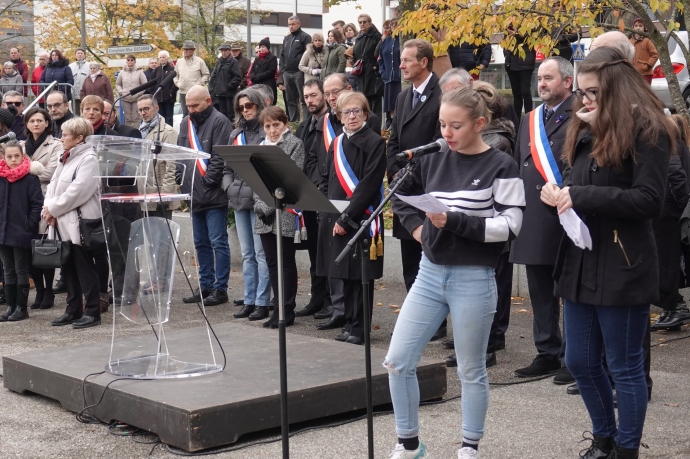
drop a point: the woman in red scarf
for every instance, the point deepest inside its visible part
(264, 67)
(18, 225)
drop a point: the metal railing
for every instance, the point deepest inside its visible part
(33, 99)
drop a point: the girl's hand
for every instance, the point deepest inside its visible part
(564, 201)
(549, 194)
(438, 220)
(339, 230)
(417, 233)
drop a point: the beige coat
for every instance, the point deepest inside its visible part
(47, 156)
(311, 61)
(164, 169)
(190, 72)
(65, 195)
(128, 79)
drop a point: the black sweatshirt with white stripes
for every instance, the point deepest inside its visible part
(486, 197)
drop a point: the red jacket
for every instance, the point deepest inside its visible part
(35, 78)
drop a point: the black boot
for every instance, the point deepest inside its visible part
(22, 300)
(624, 453)
(40, 294)
(245, 312)
(309, 310)
(601, 447)
(11, 291)
(48, 300)
(3, 300)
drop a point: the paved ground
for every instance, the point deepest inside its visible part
(533, 420)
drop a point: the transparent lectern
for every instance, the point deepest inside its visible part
(145, 256)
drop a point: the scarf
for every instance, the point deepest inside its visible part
(12, 175)
(65, 155)
(318, 50)
(332, 45)
(200, 117)
(268, 142)
(98, 125)
(145, 127)
(263, 55)
(94, 75)
(32, 145)
(585, 115)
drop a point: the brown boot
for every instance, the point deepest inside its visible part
(104, 302)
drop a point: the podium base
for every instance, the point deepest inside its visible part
(160, 366)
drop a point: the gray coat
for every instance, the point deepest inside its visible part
(266, 214)
(11, 83)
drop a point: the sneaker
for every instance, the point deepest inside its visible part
(540, 366)
(399, 452)
(468, 453)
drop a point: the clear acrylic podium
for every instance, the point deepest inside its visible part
(143, 254)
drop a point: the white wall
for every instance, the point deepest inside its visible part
(348, 12)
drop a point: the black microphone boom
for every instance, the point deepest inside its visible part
(433, 147)
(9, 136)
(166, 81)
(143, 87)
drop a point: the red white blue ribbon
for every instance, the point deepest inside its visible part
(540, 148)
(194, 144)
(240, 139)
(328, 131)
(349, 181)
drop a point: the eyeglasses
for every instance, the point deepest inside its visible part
(16, 104)
(65, 134)
(55, 105)
(144, 109)
(335, 92)
(247, 106)
(591, 94)
(354, 111)
(363, 22)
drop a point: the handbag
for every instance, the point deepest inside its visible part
(358, 66)
(50, 253)
(92, 234)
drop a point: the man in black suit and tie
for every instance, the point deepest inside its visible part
(415, 123)
(541, 233)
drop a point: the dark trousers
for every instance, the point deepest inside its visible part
(225, 107)
(319, 284)
(167, 110)
(547, 311)
(43, 278)
(15, 262)
(354, 305)
(102, 270)
(81, 279)
(411, 254)
(667, 237)
(376, 104)
(504, 286)
(289, 267)
(521, 85)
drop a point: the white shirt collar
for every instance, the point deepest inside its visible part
(420, 89)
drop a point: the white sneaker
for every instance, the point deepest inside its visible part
(399, 452)
(468, 453)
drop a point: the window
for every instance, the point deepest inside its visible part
(316, 21)
(271, 19)
(256, 19)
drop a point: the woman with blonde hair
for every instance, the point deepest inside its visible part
(314, 58)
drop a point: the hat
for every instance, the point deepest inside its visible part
(265, 42)
(636, 20)
(189, 44)
(6, 117)
(235, 46)
(225, 46)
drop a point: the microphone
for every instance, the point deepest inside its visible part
(143, 87)
(433, 147)
(9, 136)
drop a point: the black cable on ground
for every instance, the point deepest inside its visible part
(670, 340)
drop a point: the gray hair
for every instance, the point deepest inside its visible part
(341, 77)
(265, 91)
(618, 40)
(62, 95)
(9, 64)
(460, 75)
(164, 54)
(11, 94)
(255, 97)
(95, 64)
(565, 68)
(294, 18)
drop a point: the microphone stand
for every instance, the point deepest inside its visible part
(361, 239)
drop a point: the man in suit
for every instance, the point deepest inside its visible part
(537, 245)
(111, 122)
(415, 123)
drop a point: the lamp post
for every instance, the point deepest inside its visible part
(249, 29)
(83, 25)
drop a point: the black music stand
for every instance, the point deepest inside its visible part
(275, 177)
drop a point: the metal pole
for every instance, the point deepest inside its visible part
(295, 7)
(282, 346)
(249, 29)
(364, 255)
(83, 25)
(198, 13)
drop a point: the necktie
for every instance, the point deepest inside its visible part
(415, 99)
(547, 114)
(312, 125)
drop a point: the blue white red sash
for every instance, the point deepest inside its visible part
(240, 139)
(194, 144)
(543, 158)
(349, 181)
(328, 131)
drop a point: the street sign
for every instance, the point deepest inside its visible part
(578, 52)
(130, 49)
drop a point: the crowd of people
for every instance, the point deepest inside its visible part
(605, 150)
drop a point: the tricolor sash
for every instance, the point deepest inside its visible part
(240, 139)
(328, 131)
(194, 144)
(349, 181)
(543, 158)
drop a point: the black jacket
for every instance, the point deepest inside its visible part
(124, 130)
(294, 45)
(677, 188)
(618, 206)
(208, 190)
(541, 231)
(225, 78)
(244, 64)
(169, 92)
(57, 124)
(515, 63)
(20, 211)
(59, 71)
(105, 130)
(365, 152)
(412, 128)
(468, 56)
(150, 76)
(306, 132)
(369, 82)
(264, 72)
(240, 195)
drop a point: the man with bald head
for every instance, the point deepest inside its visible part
(209, 208)
(615, 39)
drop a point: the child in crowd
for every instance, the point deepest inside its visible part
(645, 51)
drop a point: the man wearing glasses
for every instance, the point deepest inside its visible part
(537, 245)
(14, 102)
(58, 107)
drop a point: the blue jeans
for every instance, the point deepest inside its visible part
(257, 282)
(468, 293)
(619, 332)
(212, 247)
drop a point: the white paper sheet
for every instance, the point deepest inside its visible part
(576, 229)
(425, 203)
(341, 205)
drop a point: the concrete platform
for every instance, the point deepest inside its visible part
(324, 378)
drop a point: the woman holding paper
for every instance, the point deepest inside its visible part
(483, 189)
(617, 148)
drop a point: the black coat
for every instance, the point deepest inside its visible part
(316, 160)
(365, 152)
(307, 133)
(678, 187)
(225, 78)
(541, 233)
(20, 211)
(59, 71)
(124, 130)
(369, 82)
(515, 63)
(294, 46)
(169, 92)
(150, 76)
(618, 206)
(264, 72)
(468, 56)
(412, 128)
